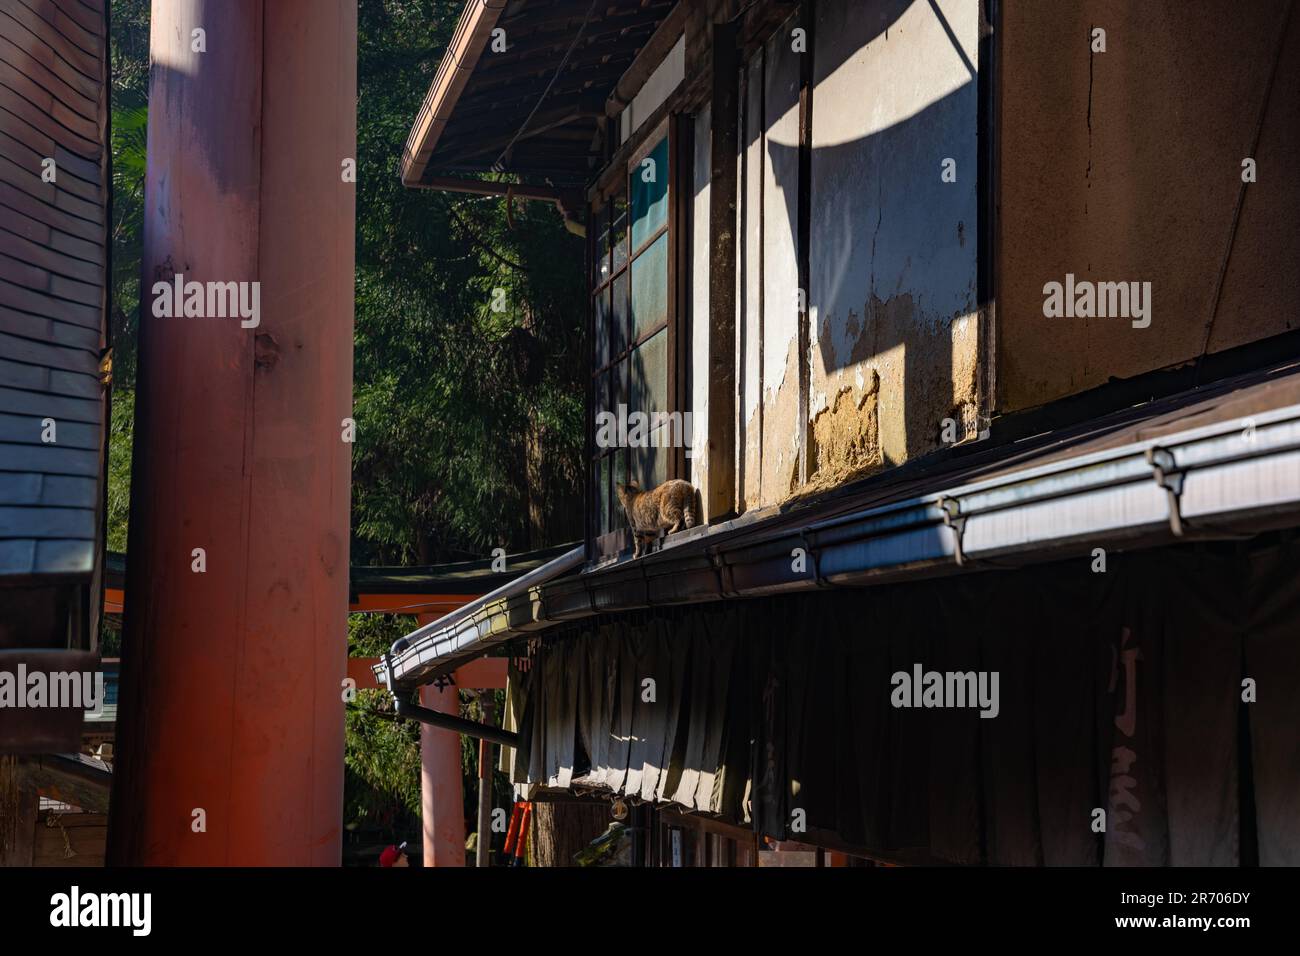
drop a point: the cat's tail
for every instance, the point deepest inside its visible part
(691, 510)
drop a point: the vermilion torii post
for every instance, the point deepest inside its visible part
(230, 742)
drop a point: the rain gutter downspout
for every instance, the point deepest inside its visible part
(434, 718)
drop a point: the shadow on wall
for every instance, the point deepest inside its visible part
(892, 296)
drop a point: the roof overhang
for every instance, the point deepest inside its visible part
(1214, 464)
(473, 32)
(535, 107)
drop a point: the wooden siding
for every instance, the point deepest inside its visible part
(69, 839)
(53, 269)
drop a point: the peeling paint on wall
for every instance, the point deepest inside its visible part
(844, 440)
(893, 286)
(893, 314)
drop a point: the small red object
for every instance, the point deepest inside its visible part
(512, 833)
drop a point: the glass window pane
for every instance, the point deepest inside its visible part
(601, 270)
(650, 288)
(618, 231)
(649, 194)
(618, 518)
(602, 496)
(650, 376)
(601, 396)
(650, 467)
(619, 385)
(618, 340)
(600, 308)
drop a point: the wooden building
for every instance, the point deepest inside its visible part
(54, 197)
(980, 313)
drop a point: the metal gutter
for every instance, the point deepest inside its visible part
(1214, 482)
(473, 31)
(1205, 483)
(510, 608)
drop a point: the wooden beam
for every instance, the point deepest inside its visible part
(720, 493)
(17, 841)
(472, 33)
(681, 140)
(808, 20)
(482, 187)
(83, 833)
(493, 146)
(694, 821)
(494, 118)
(652, 54)
(624, 19)
(601, 39)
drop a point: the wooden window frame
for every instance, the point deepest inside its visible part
(677, 130)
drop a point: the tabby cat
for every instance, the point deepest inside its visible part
(670, 507)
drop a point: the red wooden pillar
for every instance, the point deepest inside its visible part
(442, 781)
(230, 741)
(442, 795)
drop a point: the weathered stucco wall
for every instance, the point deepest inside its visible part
(1126, 165)
(781, 267)
(892, 298)
(892, 305)
(768, 267)
(749, 300)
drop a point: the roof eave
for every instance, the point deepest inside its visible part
(474, 29)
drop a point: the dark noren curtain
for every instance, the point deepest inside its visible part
(1118, 737)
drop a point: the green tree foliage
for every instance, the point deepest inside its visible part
(382, 757)
(129, 91)
(119, 467)
(447, 387)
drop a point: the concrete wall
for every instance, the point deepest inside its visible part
(1126, 166)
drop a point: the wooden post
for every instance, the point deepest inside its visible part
(442, 795)
(230, 740)
(720, 494)
(483, 854)
(20, 802)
